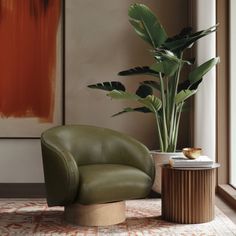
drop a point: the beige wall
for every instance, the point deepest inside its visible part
(99, 43)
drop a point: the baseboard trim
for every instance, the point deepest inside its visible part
(22, 190)
(228, 194)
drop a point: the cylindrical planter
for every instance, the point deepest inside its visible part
(188, 194)
(161, 158)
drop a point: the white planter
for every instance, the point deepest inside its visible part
(161, 158)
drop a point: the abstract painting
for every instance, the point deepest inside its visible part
(30, 66)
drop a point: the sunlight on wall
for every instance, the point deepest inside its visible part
(205, 107)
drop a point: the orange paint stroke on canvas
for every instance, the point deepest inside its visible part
(28, 43)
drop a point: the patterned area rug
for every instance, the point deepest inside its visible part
(33, 217)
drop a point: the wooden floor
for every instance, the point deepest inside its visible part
(226, 209)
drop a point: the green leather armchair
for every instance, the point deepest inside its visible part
(90, 165)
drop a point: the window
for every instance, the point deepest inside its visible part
(225, 142)
(232, 91)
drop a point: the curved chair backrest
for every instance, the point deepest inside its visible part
(94, 145)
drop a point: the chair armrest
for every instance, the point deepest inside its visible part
(61, 175)
(123, 149)
(139, 156)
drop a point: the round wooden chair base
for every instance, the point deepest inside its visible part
(96, 214)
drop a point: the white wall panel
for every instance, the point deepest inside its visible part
(205, 99)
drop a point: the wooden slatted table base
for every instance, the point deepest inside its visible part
(96, 214)
(188, 194)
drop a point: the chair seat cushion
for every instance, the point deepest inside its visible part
(104, 183)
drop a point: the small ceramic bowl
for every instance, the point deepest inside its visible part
(192, 153)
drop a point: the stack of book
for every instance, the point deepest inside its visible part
(184, 162)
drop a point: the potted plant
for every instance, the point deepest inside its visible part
(165, 95)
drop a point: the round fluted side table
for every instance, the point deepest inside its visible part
(188, 194)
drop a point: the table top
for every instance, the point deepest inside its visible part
(215, 165)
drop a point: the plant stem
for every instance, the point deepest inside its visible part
(177, 124)
(178, 76)
(172, 130)
(167, 104)
(165, 134)
(159, 132)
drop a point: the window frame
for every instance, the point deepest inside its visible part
(224, 189)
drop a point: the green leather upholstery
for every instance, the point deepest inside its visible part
(109, 182)
(90, 165)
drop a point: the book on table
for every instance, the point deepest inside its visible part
(184, 162)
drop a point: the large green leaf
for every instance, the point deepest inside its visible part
(166, 67)
(129, 109)
(183, 85)
(167, 62)
(123, 95)
(170, 67)
(151, 102)
(162, 54)
(158, 67)
(153, 84)
(185, 32)
(108, 86)
(200, 71)
(144, 90)
(182, 41)
(183, 95)
(146, 25)
(144, 70)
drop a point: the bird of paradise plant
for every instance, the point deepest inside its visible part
(165, 95)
